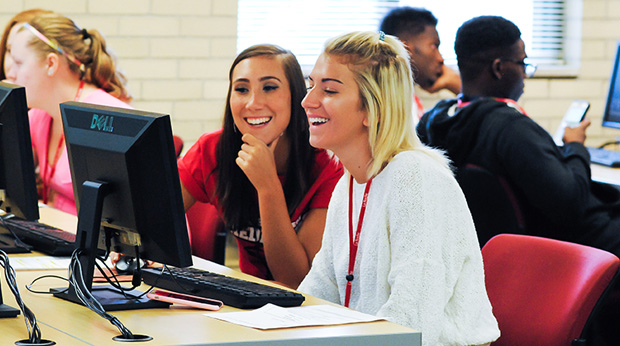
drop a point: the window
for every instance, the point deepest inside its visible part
(551, 29)
(303, 26)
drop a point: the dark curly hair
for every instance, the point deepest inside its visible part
(407, 21)
(483, 38)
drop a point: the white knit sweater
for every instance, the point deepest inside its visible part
(418, 263)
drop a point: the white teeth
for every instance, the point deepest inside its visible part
(317, 121)
(258, 121)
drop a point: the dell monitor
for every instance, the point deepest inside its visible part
(127, 193)
(18, 190)
(611, 117)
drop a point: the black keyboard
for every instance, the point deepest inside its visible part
(604, 157)
(42, 237)
(234, 292)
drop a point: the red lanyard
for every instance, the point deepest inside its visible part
(354, 242)
(420, 108)
(79, 91)
(50, 168)
(509, 102)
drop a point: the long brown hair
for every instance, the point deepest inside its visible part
(235, 192)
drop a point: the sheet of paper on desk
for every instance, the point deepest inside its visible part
(272, 316)
(39, 262)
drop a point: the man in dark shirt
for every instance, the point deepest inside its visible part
(485, 127)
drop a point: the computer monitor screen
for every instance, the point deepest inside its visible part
(126, 158)
(18, 195)
(611, 117)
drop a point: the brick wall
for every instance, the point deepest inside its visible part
(176, 55)
(546, 99)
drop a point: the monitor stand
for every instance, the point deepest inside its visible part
(5, 310)
(8, 244)
(87, 239)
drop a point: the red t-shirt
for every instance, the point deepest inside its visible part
(195, 168)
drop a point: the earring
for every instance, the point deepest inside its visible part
(50, 72)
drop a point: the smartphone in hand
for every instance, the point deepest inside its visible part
(185, 299)
(575, 114)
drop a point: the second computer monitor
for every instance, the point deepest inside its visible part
(17, 177)
(611, 117)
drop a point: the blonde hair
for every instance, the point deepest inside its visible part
(87, 46)
(382, 71)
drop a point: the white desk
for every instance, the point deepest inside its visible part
(605, 174)
(72, 324)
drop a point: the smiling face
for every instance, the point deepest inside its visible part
(334, 108)
(260, 98)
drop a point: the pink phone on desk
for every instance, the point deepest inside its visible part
(186, 299)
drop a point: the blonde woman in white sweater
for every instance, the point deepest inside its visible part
(399, 240)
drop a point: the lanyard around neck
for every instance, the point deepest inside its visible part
(50, 168)
(511, 103)
(354, 240)
(78, 94)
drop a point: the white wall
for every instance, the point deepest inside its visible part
(176, 55)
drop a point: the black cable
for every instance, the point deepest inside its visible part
(116, 283)
(29, 286)
(165, 268)
(137, 275)
(86, 297)
(608, 143)
(34, 333)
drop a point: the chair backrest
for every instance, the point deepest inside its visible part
(178, 144)
(207, 232)
(543, 290)
(492, 203)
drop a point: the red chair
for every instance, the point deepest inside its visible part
(544, 291)
(178, 144)
(207, 232)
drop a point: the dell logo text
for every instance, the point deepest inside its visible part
(102, 123)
